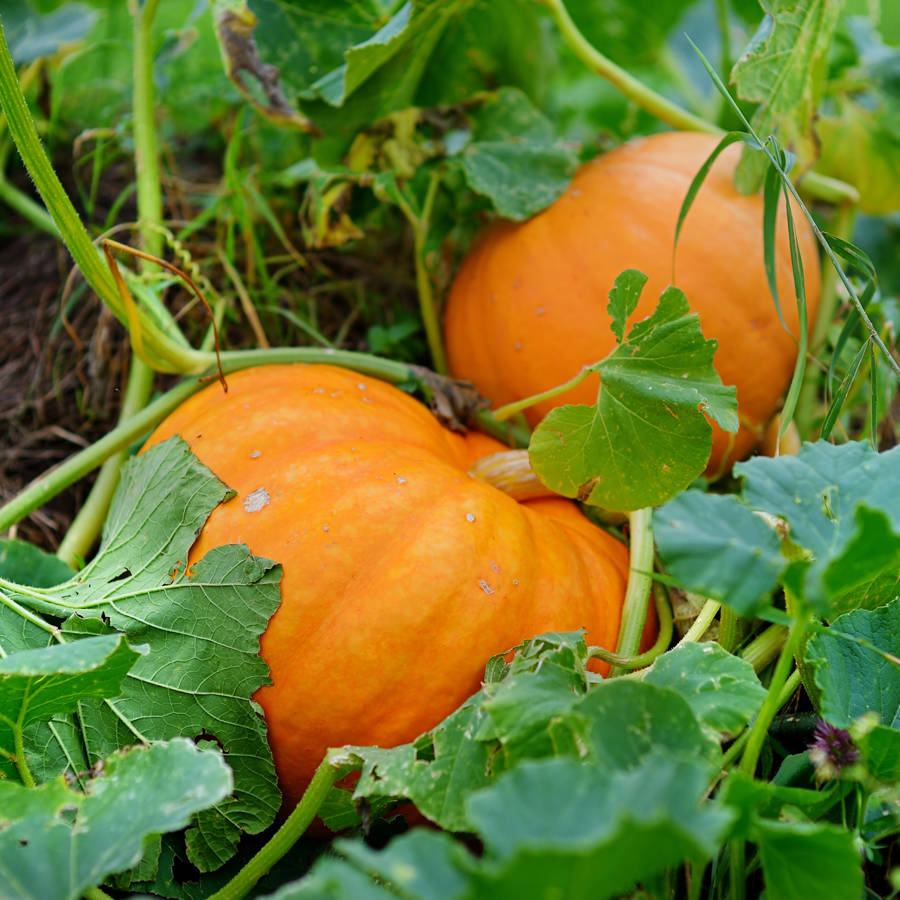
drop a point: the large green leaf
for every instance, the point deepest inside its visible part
(202, 629)
(818, 493)
(36, 685)
(853, 677)
(648, 437)
(56, 843)
(557, 827)
(840, 507)
(32, 35)
(26, 564)
(783, 70)
(550, 828)
(806, 859)
(722, 690)
(713, 544)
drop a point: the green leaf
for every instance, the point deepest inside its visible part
(818, 492)
(862, 147)
(32, 36)
(882, 752)
(623, 299)
(629, 31)
(38, 684)
(202, 629)
(383, 73)
(624, 722)
(803, 859)
(558, 827)
(873, 548)
(420, 864)
(280, 49)
(541, 708)
(714, 545)
(514, 158)
(648, 436)
(853, 678)
(783, 70)
(436, 772)
(24, 563)
(334, 879)
(722, 691)
(56, 843)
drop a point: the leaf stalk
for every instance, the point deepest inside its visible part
(289, 833)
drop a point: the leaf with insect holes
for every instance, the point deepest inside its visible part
(59, 843)
(556, 827)
(722, 690)
(648, 436)
(202, 629)
(783, 70)
(841, 503)
(36, 685)
(541, 708)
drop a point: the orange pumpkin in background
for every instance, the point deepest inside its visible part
(402, 574)
(528, 306)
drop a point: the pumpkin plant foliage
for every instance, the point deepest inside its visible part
(647, 437)
(126, 688)
(195, 670)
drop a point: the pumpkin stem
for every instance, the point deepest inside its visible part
(510, 471)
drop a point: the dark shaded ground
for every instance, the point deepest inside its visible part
(59, 377)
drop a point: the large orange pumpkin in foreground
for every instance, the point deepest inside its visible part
(528, 307)
(402, 575)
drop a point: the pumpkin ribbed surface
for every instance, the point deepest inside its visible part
(528, 307)
(402, 574)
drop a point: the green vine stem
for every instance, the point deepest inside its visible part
(162, 351)
(127, 432)
(33, 212)
(765, 647)
(737, 746)
(829, 189)
(805, 412)
(146, 145)
(627, 84)
(772, 702)
(793, 605)
(290, 832)
(666, 627)
(730, 627)
(640, 580)
(511, 409)
(420, 224)
(87, 524)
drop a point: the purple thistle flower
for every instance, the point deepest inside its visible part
(831, 751)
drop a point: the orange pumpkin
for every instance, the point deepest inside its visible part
(402, 574)
(528, 307)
